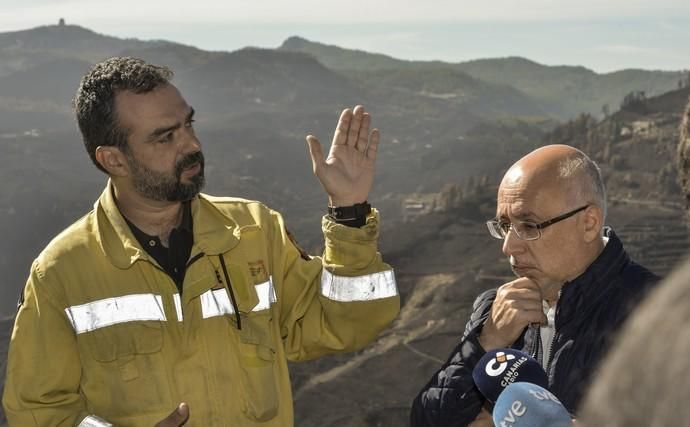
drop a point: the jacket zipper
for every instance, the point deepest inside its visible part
(228, 286)
(555, 336)
(550, 357)
(191, 261)
(537, 348)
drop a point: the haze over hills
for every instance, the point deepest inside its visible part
(448, 133)
(21, 50)
(565, 90)
(574, 89)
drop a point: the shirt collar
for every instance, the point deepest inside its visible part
(214, 232)
(184, 227)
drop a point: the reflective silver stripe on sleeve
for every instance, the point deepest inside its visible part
(359, 288)
(178, 307)
(216, 302)
(110, 311)
(94, 421)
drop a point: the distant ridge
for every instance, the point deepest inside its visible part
(565, 90)
(558, 91)
(52, 37)
(266, 79)
(433, 79)
(336, 57)
(22, 49)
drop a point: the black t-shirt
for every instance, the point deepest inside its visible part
(173, 259)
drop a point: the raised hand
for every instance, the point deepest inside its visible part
(348, 173)
(517, 304)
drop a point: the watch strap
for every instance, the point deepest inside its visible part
(352, 216)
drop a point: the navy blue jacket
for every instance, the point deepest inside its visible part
(590, 310)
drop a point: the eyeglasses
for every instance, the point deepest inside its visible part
(525, 230)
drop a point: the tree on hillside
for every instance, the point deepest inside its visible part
(684, 81)
(575, 132)
(635, 102)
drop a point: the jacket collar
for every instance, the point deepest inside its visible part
(594, 281)
(214, 232)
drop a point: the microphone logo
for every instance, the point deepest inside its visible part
(498, 364)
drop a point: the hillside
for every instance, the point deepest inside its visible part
(455, 87)
(586, 90)
(564, 91)
(438, 80)
(179, 58)
(21, 50)
(36, 81)
(338, 58)
(445, 257)
(266, 80)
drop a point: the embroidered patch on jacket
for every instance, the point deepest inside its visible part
(305, 256)
(258, 271)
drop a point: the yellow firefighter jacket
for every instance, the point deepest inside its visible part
(104, 337)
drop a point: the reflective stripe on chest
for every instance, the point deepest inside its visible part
(216, 302)
(149, 307)
(111, 311)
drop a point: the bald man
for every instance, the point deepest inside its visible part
(575, 286)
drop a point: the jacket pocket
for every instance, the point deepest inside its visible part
(125, 373)
(127, 339)
(258, 362)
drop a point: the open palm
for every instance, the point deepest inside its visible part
(347, 174)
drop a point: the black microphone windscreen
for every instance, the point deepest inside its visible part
(499, 368)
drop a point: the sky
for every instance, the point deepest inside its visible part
(603, 35)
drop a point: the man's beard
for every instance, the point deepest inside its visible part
(161, 186)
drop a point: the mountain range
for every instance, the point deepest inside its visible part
(561, 91)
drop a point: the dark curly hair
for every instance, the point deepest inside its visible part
(94, 102)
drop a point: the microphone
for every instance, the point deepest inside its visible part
(499, 368)
(529, 405)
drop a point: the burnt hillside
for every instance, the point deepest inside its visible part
(444, 258)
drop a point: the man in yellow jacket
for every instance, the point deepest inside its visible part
(164, 299)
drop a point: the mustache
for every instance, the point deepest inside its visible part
(188, 161)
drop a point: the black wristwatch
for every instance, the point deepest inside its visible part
(352, 216)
